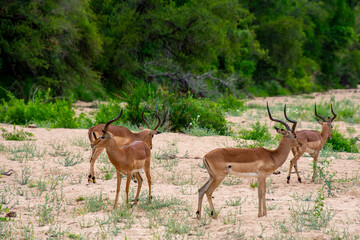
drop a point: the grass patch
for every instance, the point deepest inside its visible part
(16, 135)
(71, 160)
(311, 216)
(95, 203)
(25, 152)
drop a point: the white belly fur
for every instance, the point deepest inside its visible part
(243, 174)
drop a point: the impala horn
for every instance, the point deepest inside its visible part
(277, 120)
(316, 114)
(332, 110)
(292, 121)
(111, 121)
(157, 116)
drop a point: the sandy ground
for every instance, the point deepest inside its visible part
(61, 208)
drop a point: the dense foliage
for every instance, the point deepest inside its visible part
(55, 113)
(260, 47)
(177, 112)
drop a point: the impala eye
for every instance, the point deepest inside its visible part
(102, 137)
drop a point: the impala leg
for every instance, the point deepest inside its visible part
(128, 179)
(213, 185)
(297, 154)
(201, 195)
(261, 195)
(94, 155)
(118, 183)
(147, 173)
(203, 189)
(315, 163)
(290, 168)
(139, 180)
(297, 171)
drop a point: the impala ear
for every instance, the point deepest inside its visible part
(141, 128)
(320, 121)
(94, 134)
(278, 130)
(281, 131)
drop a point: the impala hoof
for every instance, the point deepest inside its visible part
(213, 214)
(198, 215)
(288, 179)
(299, 179)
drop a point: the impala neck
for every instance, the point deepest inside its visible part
(325, 132)
(281, 153)
(114, 151)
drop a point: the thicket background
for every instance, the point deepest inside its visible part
(94, 49)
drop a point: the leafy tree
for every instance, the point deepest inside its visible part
(50, 43)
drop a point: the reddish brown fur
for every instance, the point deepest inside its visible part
(312, 143)
(127, 160)
(123, 136)
(256, 162)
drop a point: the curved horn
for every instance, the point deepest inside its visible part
(142, 115)
(113, 120)
(277, 120)
(292, 121)
(333, 113)
(322, 118)
(159, 120)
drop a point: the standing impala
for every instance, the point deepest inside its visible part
(312, 141)
(255, 162)
(123, 136)
(129, 159)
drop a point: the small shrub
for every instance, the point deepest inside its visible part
(304, 216)
(25, 176)
(45, 213)
(108, 111)
(71, 160)
(94, 203)
(196, 130)
(183, 110)
(342, 144)
(16, 135)
(231, 103)
(258, 132)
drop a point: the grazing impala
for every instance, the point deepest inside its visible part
(312, 141)
(123, 136)
(129, 159)
(255, 162)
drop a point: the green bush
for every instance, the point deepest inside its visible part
(17, 135)
(342, 144)
(257, 132)
(231, 103)
(108, 111)
(183, 110)
(58, 113)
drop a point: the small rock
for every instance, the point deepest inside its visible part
(32, 126)
(11, 214)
